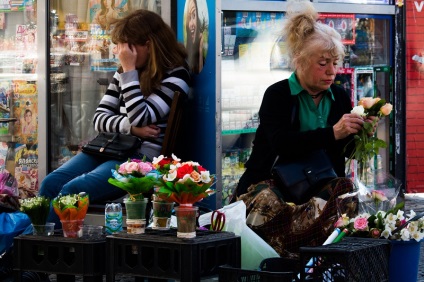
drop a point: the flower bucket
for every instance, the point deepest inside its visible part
(404, 261)
(135, 209)
(186, 221)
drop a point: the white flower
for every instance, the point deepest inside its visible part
(405, 235)
(184, 179)
(359, 110)
(170, 176)
(417, 236)
(174, 157)
(386, 233)
(400, 216)
(158, 159)
(205, 176)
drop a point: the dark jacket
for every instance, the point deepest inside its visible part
(277, 135)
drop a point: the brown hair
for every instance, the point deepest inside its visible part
(166, 52)
(305, 36)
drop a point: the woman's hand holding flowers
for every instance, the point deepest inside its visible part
(348, 124)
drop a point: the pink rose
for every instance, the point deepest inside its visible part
(360, 224)
(145, 168)
(378, 195)
(128, 168)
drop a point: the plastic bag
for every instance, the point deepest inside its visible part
(253, 248)
(11, 225)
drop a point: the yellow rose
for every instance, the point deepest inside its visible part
(386, 109)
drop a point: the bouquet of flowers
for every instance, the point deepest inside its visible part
(384, 225)
(37, 209)
(381, 195)
(136, 177)
(182, 182)
(367, 146)
(71, 207)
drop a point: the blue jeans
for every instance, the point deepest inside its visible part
(82, 173)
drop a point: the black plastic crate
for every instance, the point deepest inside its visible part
(63, 256)
(353, 259)
(231, 274)
(160, 254)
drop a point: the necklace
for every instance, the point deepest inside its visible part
(317, 95)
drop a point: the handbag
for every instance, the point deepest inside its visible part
(300, 179)
(113, 145)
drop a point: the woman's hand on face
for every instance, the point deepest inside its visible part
(146, 132)
(127, 55)
(348, 124)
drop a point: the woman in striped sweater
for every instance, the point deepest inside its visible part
(137, 102)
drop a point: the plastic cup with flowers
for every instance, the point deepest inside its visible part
(37, 209)
(367, 145)
(184, 183)
(71, 210)
(137, 177)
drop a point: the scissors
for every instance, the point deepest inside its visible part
(217, 220)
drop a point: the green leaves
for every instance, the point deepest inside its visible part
(136, 186)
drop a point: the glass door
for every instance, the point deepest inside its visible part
(81, 65)
(254, 57)
(19, 86)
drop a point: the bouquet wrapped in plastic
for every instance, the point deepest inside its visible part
(380, 194)
(136, 177)
(183, 182)
(71, 207)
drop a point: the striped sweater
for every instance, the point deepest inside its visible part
(123, 106)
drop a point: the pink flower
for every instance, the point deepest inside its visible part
(375, 233)
(128, 168)
(378, 195)
(342, 221)
(360, 224)
(145, 167)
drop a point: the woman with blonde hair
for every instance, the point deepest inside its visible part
(298, 115)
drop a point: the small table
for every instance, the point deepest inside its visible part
(160, 254)
(63, 256)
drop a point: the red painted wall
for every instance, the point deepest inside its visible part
(414, 96)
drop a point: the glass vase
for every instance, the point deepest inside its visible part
(136, 215)
(162, 212)
(186, 221)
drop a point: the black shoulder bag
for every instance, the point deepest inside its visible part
(301, 178)
(113, 145)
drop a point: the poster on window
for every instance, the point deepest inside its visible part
(344, 24)
(25, 109)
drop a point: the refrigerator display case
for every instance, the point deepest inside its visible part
(254, 57)
(19, 87)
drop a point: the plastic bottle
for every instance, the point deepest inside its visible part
(113, 218)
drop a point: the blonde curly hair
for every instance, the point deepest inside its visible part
(306, 36)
